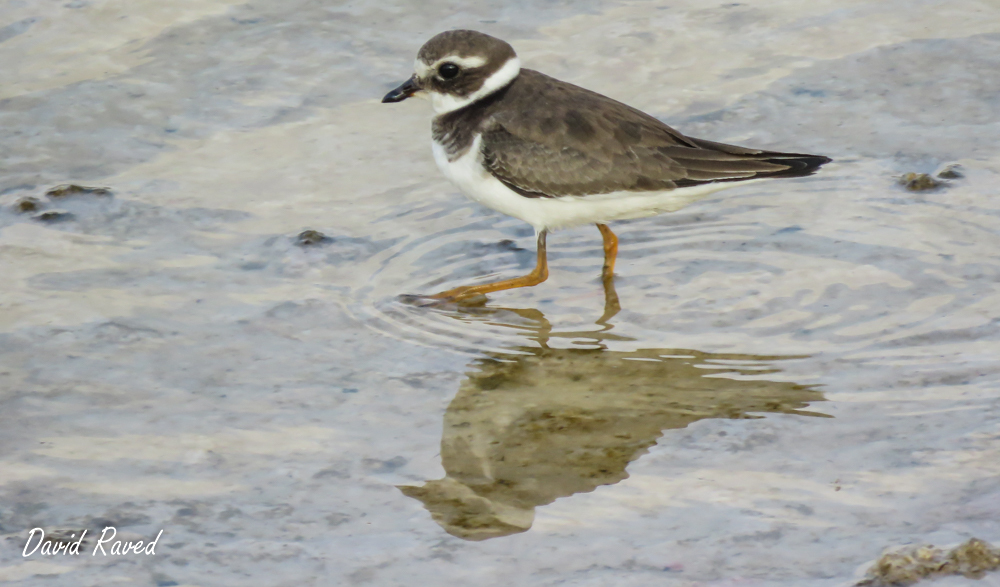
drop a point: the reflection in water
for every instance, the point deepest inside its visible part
(539, 423)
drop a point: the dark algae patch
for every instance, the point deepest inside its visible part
(60, 193)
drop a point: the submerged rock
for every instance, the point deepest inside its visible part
(973, 559)
(309, 238)
(951, 172)
(25, 205)
(70, 189)
(919, 182)
(53, 216)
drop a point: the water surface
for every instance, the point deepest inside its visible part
(801, 373)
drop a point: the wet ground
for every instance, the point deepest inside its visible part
(802, 374)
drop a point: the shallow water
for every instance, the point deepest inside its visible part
(802, 373)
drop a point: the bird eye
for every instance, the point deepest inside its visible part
(448, 70)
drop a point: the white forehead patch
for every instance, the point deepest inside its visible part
(463, 62)
(423, 69)
(444, 103)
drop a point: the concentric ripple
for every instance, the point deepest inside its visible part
(816, 269)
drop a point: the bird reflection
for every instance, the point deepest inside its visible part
(537, 423)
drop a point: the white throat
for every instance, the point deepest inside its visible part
(444, 103)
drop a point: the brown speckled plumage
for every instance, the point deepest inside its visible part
(543, 137)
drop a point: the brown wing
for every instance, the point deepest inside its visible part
(565, 140)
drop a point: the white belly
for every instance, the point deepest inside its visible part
(468, 173)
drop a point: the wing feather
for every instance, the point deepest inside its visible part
(567, 141)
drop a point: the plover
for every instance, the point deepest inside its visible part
(556, 155)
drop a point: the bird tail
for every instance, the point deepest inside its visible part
(775, 164)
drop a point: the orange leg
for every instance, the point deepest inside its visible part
(538, 275)
(610, 251)
(611, 304)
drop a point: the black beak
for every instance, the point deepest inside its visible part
(404, 91)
